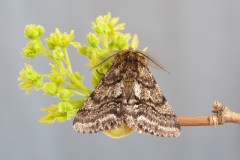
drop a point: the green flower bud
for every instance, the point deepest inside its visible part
(26, 85)
(83, 50)
(59, 39)
(55, 76)
(58, 54)
(134, 42)
(29, 53)
(76, 45)
(79, 77)
(72, 113)
(38, 84)
(122, 41)
(114, 21)
(93, 40)
(101, 24)
(33, 31)
(101, 29)
(65, 94)
(119, 27)
(53, 115)
(65, 106)
(50, 88)
(50, 44)
(107, 17)
(30, 79)
(30, 74)
(68, 109)
(32, 49)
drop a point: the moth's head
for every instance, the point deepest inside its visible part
(131, 55)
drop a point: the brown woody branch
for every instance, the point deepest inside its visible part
(221, 114)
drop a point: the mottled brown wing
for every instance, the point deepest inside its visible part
(149, 111)
(102, 110)
(128, 94)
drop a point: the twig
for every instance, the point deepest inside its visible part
(222, 114)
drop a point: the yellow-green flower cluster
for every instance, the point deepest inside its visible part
(34, 47)
(105, 40)
(62, 82)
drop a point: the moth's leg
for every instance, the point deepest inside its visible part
(99, 72)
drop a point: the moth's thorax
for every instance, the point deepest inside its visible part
(130, 63)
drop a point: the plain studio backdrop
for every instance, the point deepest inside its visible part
(198, 41)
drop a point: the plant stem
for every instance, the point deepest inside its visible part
(75, 82)
(222, 114)
(67, 59)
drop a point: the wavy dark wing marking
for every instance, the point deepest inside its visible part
(149, 110)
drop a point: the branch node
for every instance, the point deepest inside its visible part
(213, 120)
(223, 113)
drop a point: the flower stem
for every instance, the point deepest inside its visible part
(67, 60)
(76, 83)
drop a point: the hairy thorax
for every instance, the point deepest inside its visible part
(130, 62)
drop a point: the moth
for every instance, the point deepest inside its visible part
(128, 95)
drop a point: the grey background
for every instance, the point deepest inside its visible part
(196, 40)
